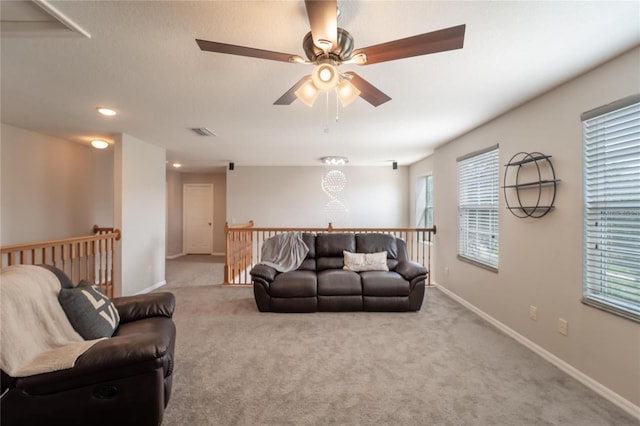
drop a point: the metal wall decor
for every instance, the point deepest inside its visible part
(530, 184)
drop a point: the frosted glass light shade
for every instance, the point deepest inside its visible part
(347, 92)
(325, 77)
(307, 93)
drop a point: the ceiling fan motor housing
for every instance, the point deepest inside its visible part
(340, 54)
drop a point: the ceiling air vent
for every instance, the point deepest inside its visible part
(203, 131)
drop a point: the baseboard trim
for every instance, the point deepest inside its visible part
(175, 256)
(589, 382)
(153, 287)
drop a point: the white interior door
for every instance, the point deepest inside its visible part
(198, 218)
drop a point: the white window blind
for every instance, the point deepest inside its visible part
(424, 202)
(611, 174)
(478, 195)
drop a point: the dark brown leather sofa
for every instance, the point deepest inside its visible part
(321, 284)
(122, 380)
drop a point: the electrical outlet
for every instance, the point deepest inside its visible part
(563, 326)
(533, 313)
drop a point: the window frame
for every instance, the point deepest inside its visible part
(611, 209)
(424, 208)
(481, 209)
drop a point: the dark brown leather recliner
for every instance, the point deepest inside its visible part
(321, 284)
(122, 380)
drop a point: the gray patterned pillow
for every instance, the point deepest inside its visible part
(91, 313)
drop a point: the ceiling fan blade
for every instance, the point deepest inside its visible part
(369, 92)
(213, 46)
(436, 41)
(323, 19)
(290, 95)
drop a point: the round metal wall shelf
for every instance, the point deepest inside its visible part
(521, 197)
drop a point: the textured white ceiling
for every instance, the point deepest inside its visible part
(143, 61)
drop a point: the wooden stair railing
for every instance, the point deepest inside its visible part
(89, 257)
(244, 244)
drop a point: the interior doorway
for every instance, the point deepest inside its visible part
(197, 213)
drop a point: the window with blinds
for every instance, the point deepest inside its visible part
(611, 182)
(478, 195)
(424, 202)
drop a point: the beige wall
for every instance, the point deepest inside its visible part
(140, 212)
(52, 188)
(174, 213)
(293, 196)
(541, 260)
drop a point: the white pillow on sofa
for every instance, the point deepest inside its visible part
(365, 261)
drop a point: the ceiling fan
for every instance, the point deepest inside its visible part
(328, 46)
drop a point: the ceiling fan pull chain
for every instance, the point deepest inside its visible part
(337, 106)
(326, 117)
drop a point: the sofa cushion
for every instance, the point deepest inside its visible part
(307, 265)
(323, 263)
(376, 242)
(386, 304)
(294, 284)
(294, 304)
(377, 283)
(91, 313)
(340, 303)
(365, 261)
(310, 240)
(336, 282)
(333, 244)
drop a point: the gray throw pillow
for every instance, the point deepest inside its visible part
(91, 313)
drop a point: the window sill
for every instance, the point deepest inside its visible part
(611, 309)
(478, 264)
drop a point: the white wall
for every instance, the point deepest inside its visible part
(293, 197)
(541, 260)
(174, 214)
(52, 188)
(140, 211)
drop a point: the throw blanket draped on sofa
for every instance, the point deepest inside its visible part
(284, 252)
(36, 337)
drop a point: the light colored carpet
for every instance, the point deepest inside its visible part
(441, 366)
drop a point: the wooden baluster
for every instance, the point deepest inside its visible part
(103, 275)
(94, 276)
(72, 257)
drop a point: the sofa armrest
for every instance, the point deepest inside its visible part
(267, 273)
(126, 355)
(133, 308)
(411, 270)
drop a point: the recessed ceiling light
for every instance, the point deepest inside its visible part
(106, 111)
(96, 143)
(177, 165)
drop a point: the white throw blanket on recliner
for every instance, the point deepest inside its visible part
(36, 334)
(284, 252)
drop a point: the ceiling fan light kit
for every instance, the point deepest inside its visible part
(307, 93)
(325, 77)
(347, 92)
(328, 46)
